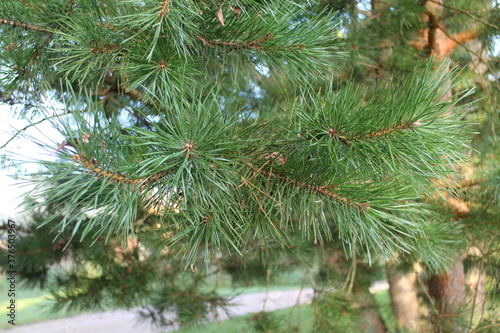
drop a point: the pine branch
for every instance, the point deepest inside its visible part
(466, 35)
(322, 190)
(342, 137)
(122, 89)
(109, 26)
(22, 25)
(92, 166)
(133, 94)
(255, 44)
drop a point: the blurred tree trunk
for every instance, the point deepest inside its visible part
(404, 298)
(448, 289)
(476, 281)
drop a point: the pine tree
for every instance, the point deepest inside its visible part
(217, 136)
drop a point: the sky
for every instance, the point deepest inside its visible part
(23, 148)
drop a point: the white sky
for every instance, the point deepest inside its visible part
(21, 148)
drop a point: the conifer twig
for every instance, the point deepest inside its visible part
(323, 190)
(265, 213)
(41, 47)
(336, 135)
(256, 44)
(22, 25)
(386, 131)
(247, 182)
(96, 169)
(346, 139)
(461, 42)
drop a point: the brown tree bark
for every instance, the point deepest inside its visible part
(404, 298)
(476, 280)
(448, 289)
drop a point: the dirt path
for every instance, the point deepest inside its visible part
(127, 321)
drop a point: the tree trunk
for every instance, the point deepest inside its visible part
(448, 289)
(476, 282)
(404, 298)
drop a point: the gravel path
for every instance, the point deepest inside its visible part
(127, 321)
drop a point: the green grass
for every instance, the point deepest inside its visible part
(32, 305)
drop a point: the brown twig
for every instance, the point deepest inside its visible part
(253, 176)
(340, 136)
(248, 45)
(461, 42)
(96, 169)
(246, 182)
(386, 131)
(22, 25)
(37, 51)
(459, 39)
(323, 190)
(108, 96)
(265, 213)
